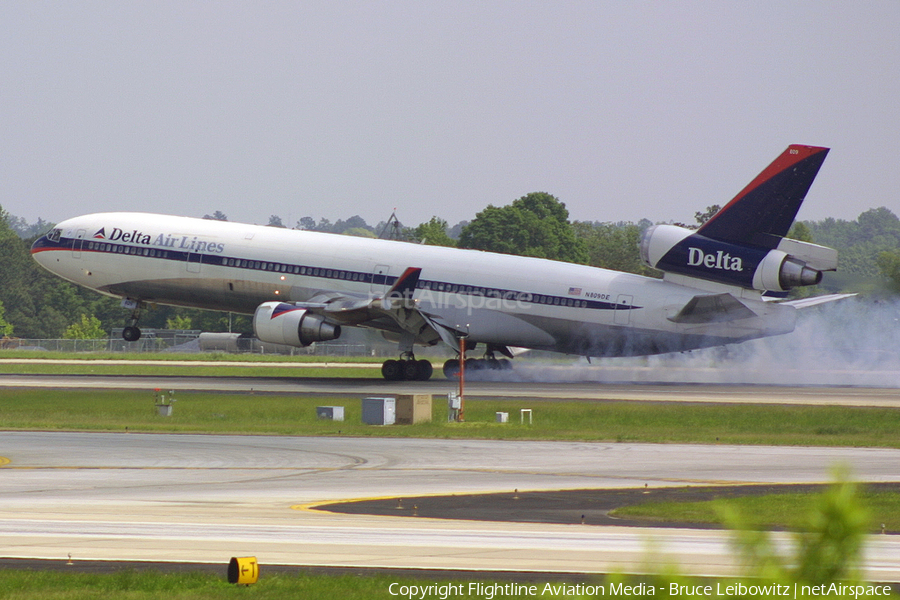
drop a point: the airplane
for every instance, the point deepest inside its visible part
(720, 283)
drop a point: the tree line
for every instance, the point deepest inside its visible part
(36, 304)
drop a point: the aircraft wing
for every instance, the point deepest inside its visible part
(356, 309)
(397, 306)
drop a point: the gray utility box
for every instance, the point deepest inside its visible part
(379, 411)
(332, 413)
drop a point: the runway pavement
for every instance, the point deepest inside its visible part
(205, 498)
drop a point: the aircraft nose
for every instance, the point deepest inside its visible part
(38, 251)
(46, 241)
(41, 246)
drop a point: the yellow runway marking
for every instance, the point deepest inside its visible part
(315, 507)
(4, 461)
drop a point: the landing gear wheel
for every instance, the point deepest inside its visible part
(410, 370)
(392, 370)
(451, 369)
(131, 332)
(407, 370)
(474, 365)
(425, 369)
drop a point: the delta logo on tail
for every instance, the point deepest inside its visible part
(720, 260)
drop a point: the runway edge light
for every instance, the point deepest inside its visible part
(243, 570)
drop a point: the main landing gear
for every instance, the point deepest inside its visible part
(451, 367)
(407, 369)
(131, 332)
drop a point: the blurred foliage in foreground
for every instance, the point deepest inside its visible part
(823, 559)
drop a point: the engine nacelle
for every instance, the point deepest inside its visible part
(678, 250)
(780, 272)
(282, 323)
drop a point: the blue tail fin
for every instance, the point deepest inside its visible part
(743, 244)
(765, 210)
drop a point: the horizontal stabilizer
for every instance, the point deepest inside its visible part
(816, 300)
(820, 258)
(712, 309)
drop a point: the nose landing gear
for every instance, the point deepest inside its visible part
(131, 332)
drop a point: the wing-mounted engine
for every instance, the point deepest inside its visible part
(281, 323)
(788, 264)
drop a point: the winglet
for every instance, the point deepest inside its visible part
(763, 212)
(404, 288)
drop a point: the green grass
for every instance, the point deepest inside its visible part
(152, 585)
(786, 510)
(773, 510)
(696, 423)
(205, 412)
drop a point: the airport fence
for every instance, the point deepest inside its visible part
(189, 342)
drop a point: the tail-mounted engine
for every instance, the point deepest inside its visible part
(281, 323)
(791, 264)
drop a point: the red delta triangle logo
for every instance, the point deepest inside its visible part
(100, 235)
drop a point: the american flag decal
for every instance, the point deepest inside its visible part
(574, 291)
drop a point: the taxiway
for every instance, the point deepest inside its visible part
(204, 498)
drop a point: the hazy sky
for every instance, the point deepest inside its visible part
(623, 110)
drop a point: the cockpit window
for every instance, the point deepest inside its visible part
(53, 235)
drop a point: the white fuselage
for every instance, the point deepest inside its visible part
(497, 299)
